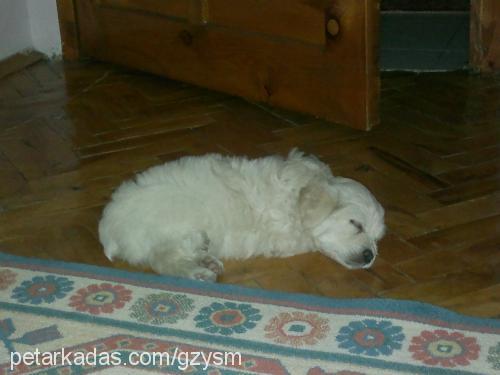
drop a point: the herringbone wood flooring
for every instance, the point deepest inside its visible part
(70, 133)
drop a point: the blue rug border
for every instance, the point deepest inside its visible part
(384, 305)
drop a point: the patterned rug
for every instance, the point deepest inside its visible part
(64, 318)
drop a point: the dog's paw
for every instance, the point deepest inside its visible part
(212, 263)
(203, 274)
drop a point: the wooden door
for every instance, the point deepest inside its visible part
(312, 56)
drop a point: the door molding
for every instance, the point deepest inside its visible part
(485, 35)
(68, 26)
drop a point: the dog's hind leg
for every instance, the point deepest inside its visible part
(186, 257)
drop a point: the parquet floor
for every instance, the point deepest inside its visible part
(70, 133)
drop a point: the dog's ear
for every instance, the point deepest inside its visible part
(316, 203)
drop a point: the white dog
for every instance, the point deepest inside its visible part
(181, 217)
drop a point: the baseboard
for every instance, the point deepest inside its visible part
(19, 61)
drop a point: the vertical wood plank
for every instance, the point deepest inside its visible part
(485, 35)
(372, 69)
(68, 26)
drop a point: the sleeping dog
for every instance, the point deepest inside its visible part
(183, 217)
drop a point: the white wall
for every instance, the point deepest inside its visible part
(29, 24)
(44, 26)
(15, 32)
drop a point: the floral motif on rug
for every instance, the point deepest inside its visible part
(73, 309)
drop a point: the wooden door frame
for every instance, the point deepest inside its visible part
(68, 27)
(484, 31)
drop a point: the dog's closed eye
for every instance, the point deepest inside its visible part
(358, 225)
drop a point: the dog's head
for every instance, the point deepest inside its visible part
(346, 221)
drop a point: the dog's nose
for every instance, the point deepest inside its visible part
(368, 255)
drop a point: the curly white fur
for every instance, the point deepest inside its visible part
(183, 216)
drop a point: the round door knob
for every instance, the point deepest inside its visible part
(333, 27)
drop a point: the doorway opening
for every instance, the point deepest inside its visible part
(424, 35)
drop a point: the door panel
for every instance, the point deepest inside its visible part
(273, 51)
(300, 22)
